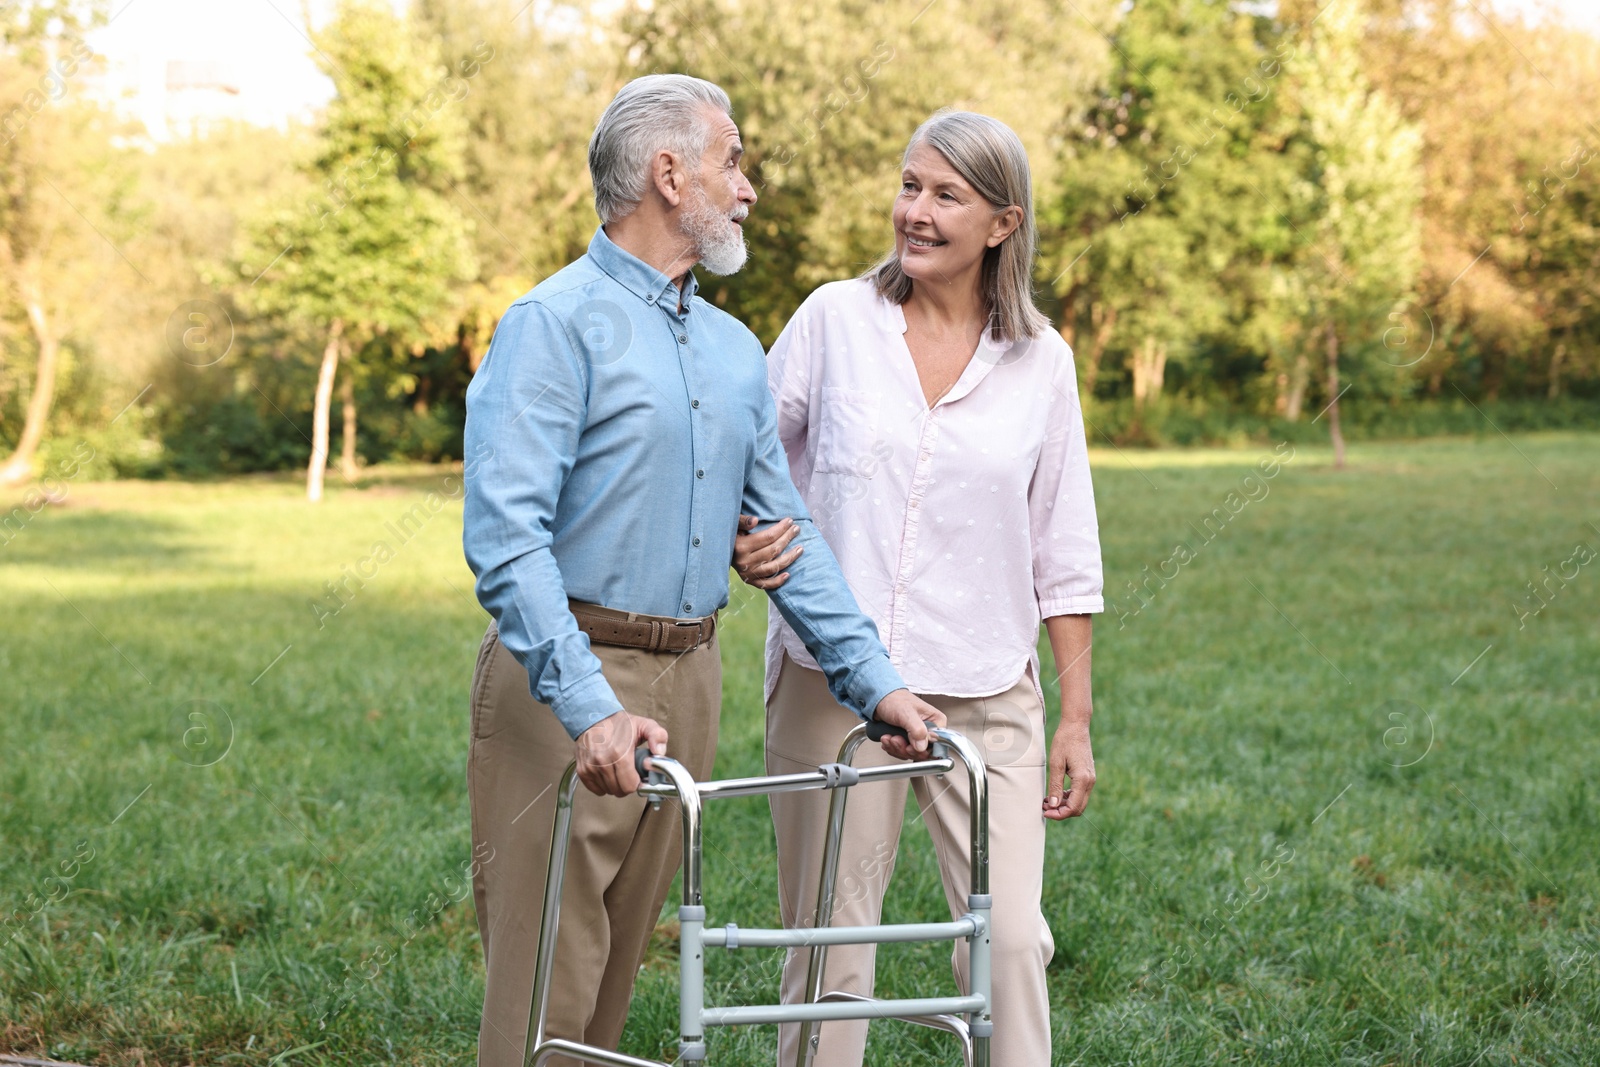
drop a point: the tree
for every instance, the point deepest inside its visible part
(372, 261)
(1356, 202)
(57, 171)
(1169, 195)
(826, 103)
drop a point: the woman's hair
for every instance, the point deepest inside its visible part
(650, 113)
(990, 157)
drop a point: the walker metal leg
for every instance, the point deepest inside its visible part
(979, 1026)
(537, 1049)
(550, 917)
(830, 874)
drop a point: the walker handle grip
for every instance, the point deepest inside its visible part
(877, 730)
(641, 754)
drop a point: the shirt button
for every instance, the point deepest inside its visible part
(687, 607)
(695, 542)
(694, 403)
(683, 338)
(700, 474)
(650, 300)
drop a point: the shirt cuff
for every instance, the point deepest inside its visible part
(1071, 605)
(871, 682)
(585, 704)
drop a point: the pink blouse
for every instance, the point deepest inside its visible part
(958, 528)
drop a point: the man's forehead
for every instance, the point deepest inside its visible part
(724, 130)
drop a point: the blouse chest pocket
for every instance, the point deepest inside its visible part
(847, 428)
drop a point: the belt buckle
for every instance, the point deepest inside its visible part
(699, 637)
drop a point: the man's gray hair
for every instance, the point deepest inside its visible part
(655, 112)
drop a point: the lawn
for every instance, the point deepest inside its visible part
(1344, 813)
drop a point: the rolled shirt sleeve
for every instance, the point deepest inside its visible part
(816, 601)
(525, 413)
(1063, 526)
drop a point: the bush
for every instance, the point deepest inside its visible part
(1175, 421)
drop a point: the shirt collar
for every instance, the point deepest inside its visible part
(637, 276)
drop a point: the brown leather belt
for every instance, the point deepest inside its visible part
(607, 627)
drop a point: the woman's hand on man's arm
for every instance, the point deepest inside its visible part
(759, 556)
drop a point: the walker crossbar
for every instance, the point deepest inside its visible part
(744, 937)
(794, 783)
(669, 778)
(863, 1009)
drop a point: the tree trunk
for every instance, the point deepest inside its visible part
(1104, 318)
(1149, 370)
(347, 455)
(19, 467)
(1299, 377)
(1555, 370)
(319, 411)
(1334, 431)
(1069, 317)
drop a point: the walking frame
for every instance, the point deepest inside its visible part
(968, 1017)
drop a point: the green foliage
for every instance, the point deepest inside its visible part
(378, 247)
(827, 102)
(1214, 182)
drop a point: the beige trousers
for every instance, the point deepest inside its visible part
(804, 728)
(622, 855)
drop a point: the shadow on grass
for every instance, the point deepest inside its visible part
(86, 540)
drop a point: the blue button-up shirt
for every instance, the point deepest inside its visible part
(614, 435)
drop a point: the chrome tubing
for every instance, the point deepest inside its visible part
(830, 874)
(980, 1023)
(536, 1048)
(550, 918)
(950, 1024)
(734, 937)
(691, 912)
(805, 780)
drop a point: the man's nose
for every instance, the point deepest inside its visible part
(746, 192)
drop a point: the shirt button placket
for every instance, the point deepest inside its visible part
(691, 577)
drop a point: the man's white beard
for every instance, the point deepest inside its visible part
(717, 239)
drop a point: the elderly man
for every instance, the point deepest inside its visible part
(626, 423)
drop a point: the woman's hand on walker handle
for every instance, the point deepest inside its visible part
(1071, 761)
(605, 752)
(912, 714)
(759, 556)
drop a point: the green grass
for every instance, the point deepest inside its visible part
(1318, 837)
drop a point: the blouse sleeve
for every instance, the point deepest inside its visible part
(1065, 533)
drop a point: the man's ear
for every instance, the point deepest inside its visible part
(669, 176)
(1005, 224)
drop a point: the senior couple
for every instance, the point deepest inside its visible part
(905, 474)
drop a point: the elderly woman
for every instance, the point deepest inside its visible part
(931, 420)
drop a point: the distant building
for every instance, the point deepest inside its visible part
(198, 94)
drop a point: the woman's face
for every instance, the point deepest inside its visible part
(942, 227)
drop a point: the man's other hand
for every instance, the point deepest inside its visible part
(912, 714)
(605, 752)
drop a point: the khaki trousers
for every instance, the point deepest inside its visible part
(622, 855)
(805, 727)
